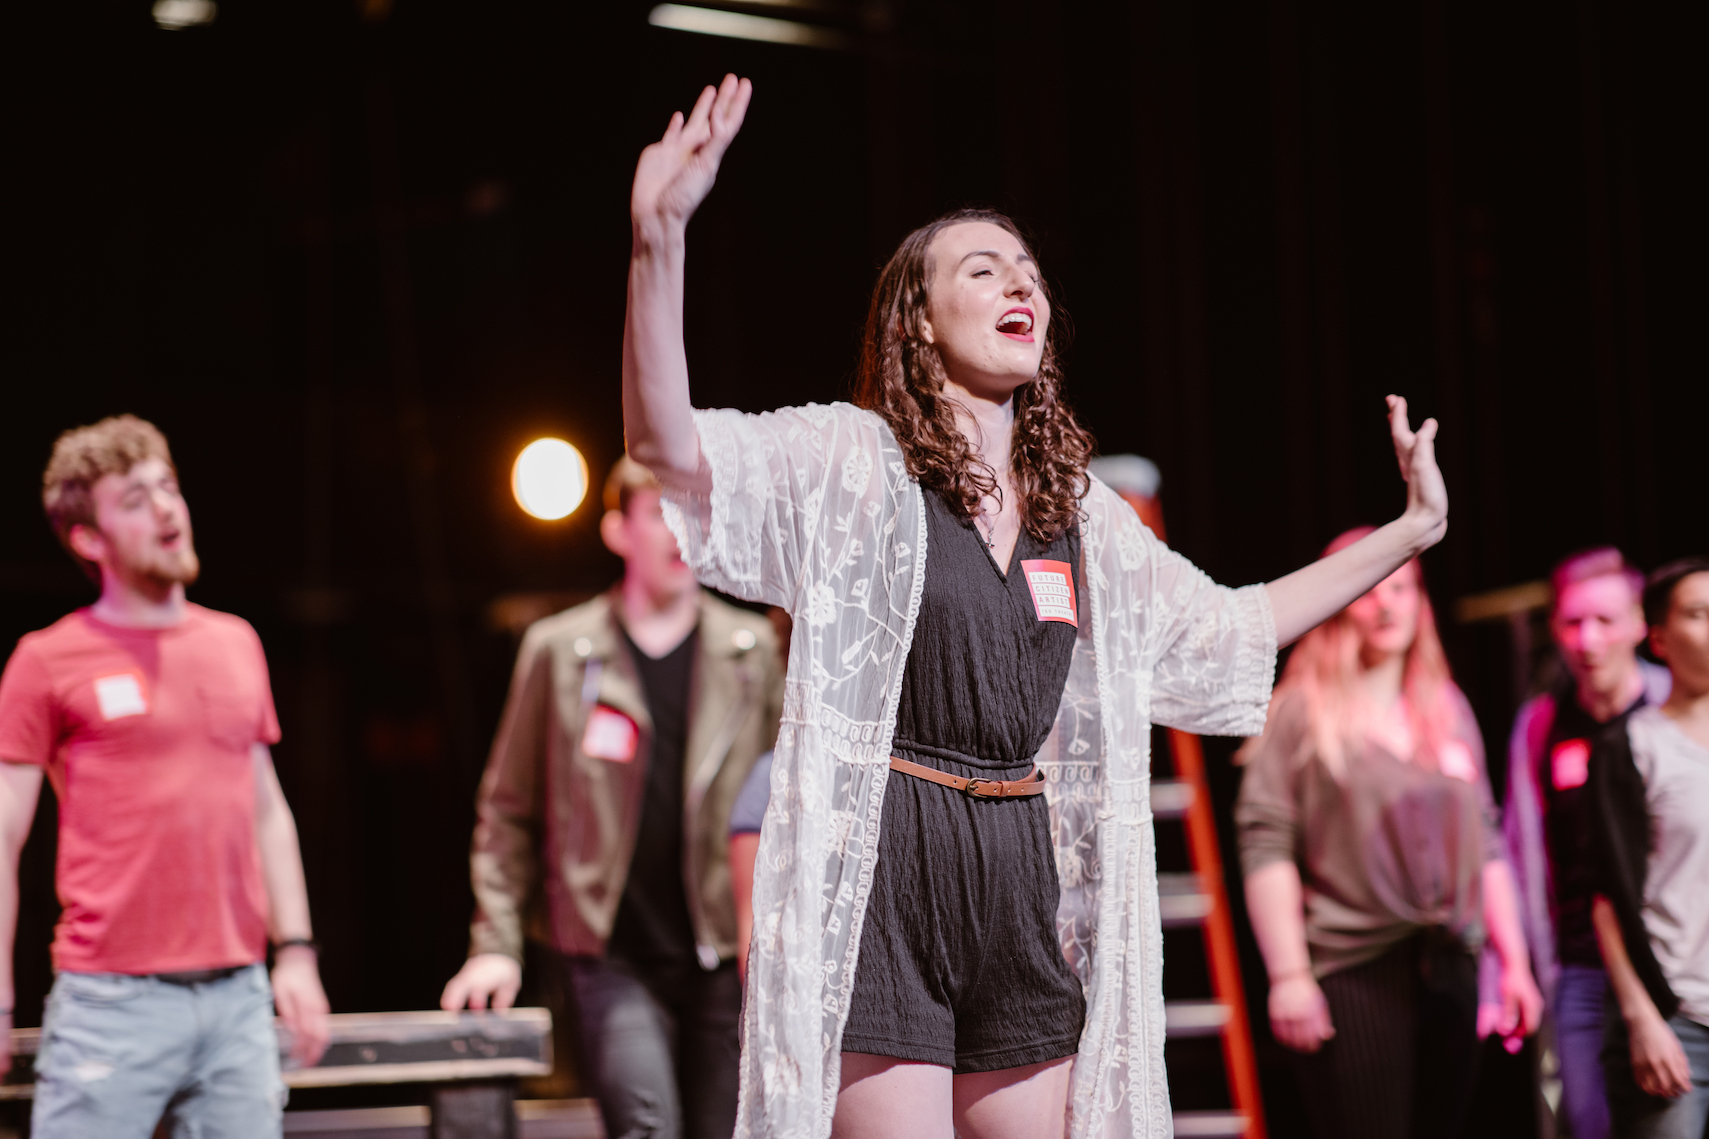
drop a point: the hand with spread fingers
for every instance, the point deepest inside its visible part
(676, 173)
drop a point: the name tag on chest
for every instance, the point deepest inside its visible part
(1052, 585)
(1570, 764)
(609, 735)
(120, 696)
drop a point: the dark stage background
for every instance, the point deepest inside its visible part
(350, 258)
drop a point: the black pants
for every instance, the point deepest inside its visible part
(1404, 1055)
(659, 1045)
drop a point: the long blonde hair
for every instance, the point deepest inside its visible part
(1324, 671)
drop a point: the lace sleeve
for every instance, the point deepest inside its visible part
(748, 535)
(1214, 647)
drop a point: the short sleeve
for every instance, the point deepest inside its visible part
(29, 719)
(748, 813)
(267, 729)
(1215, 646)
(772, 475)
(1266, 813)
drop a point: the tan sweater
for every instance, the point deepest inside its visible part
(1387, 849)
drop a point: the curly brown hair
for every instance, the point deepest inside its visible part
(81, 456)
(902, 379)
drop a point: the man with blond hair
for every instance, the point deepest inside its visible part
(632, 722)
(178, 856)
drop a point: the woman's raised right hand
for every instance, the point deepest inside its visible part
(1299, 1015)
(676, 173)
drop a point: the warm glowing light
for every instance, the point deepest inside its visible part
(174, 15)
(549, 479)
(709, 22)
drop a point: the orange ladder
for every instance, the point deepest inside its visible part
(1198, 898)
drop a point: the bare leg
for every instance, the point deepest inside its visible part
(886, 1098)
(1013, 1103)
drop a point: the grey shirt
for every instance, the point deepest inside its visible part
(1675, 769)
(1385, 849)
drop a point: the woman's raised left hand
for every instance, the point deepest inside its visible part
(1426, 493)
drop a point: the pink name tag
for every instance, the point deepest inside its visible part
(1569, 764)
(610, 735)
(1052, 585)
(1455, 761)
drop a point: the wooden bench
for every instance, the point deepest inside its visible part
(472, 1059)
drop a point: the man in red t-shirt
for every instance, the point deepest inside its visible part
(178, 856)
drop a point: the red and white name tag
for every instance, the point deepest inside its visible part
(1052, 585)
(1569, 764)
(610, 735)
(120, 696)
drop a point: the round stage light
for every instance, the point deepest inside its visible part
(549, 479)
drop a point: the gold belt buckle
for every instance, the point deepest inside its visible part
(973, 786)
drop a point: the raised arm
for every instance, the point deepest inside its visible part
(1314, 593)
(672, 178)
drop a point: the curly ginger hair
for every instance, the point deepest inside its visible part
(902, 379)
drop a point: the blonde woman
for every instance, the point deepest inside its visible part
(1374, 871)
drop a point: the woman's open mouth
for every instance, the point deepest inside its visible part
(1017, 324)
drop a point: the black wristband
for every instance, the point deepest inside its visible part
(305, 942)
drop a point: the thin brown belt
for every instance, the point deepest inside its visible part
(978, 788)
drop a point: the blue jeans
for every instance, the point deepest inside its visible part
(1641, 1116)
(1580, 995)
(119, 1052)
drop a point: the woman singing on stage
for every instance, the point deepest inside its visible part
(938, 948)
(1375, 873)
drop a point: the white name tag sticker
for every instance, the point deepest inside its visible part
(1052, 585)
(610, 735)
(120, 696)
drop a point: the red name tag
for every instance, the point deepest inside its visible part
(609, 735)
(1569, 764)
(1052, 585)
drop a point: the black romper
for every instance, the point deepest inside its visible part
(959, 960)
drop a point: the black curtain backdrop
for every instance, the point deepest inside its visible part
(350, 257)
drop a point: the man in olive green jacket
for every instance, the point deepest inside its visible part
(603, 821)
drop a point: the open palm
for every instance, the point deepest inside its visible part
(1426, 493)
(676, 173)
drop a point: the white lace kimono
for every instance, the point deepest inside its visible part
(812, 509)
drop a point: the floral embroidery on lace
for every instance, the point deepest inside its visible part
(797, 518)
